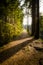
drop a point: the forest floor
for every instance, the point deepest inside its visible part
(25, 51)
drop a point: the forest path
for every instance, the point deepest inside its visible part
(21, 52)
(12, 48)
(24, 34)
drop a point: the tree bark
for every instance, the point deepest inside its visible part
(33, 17)
(36, 35)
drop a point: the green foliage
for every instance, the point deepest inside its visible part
(9, 31)
(41, 26)
(10, 20)
(6, 31)
(18, 28)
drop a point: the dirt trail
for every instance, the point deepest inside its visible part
(21, 52)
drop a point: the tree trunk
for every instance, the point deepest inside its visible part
(33, 17)
(36, 35)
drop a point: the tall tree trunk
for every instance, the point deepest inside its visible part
(33, 17)
(36, 36)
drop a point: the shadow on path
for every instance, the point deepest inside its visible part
(4, 55)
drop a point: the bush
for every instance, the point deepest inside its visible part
(6, 32)
(9, 32)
